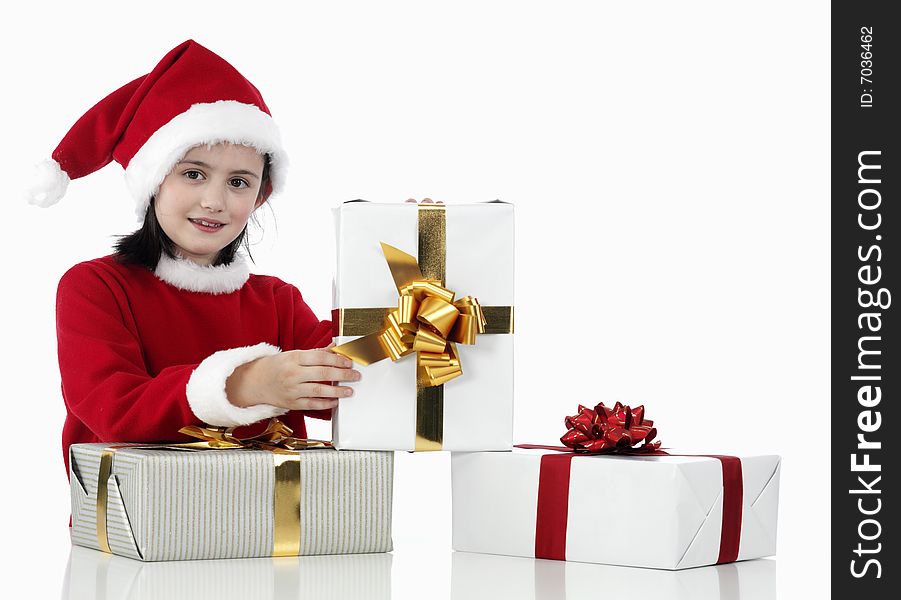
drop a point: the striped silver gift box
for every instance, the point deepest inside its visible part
(165, 503)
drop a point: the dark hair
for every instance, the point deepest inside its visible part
(146, 245)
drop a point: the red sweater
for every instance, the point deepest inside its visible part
(142, 354)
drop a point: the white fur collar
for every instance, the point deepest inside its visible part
(188, 275)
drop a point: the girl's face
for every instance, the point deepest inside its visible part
(217, 185)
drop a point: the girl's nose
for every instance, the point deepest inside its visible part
(213, 198)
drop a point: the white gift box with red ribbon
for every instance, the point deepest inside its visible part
(666, 512)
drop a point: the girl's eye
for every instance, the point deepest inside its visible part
(194, 175)
(239, 183)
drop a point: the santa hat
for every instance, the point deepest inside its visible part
(191, 97)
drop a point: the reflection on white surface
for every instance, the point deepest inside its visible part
(477, 576)
(94, 575)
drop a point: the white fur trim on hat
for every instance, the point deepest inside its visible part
(49, 184)
(187, 275)
(206, 388)
(207, 123)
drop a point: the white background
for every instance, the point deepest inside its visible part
(668, 162)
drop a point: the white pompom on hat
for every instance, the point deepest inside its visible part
(49, 184)
(192, 97)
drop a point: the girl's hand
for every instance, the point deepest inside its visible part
(292, 380)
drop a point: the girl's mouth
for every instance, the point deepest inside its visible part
(207, 226)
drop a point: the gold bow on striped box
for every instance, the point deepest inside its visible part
(265, 495)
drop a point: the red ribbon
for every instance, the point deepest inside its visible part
(553, 506)
(553, 502)
(604, 429)
(730, 534)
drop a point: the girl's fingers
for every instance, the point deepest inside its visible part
(313, 358)
(319, 373)
(315, 403)
(323, 390)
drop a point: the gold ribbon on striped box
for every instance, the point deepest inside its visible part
(426, 321)
(275, 438)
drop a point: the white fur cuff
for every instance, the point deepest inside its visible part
(206, 388)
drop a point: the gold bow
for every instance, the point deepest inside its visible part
(427, 321)
(276, 437)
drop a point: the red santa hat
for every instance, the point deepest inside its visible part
(192, 97)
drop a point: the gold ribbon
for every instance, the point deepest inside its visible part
(276, 438)
(426, 320)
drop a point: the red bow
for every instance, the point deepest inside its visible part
(605, 430)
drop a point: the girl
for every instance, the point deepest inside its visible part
(172, 329)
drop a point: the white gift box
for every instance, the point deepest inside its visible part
(478, 255)
(663, 512)
(487, 577)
